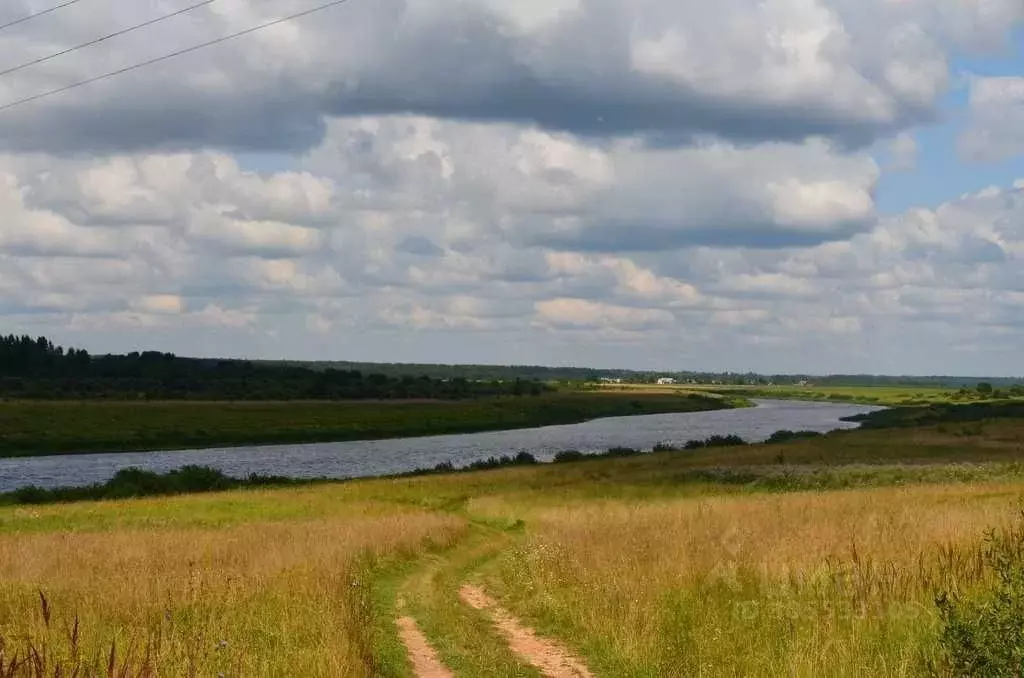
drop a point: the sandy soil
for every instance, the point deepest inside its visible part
(549, 657)
(425, 662)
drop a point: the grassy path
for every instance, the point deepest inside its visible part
(465, 640)
(551, 658)
(449, 626)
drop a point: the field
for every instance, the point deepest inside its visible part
(867, 395)
(826, 555)
(49, 427)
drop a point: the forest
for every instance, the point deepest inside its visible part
(39, 369)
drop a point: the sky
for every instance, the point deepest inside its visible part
(800, 186)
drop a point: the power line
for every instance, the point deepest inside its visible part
(172, 55)
(96, 41)
(34, 15)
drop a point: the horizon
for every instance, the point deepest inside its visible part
(651, 371)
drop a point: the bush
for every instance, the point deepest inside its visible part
(134, 482)
(622, 452)
(665, 447)
(521, 459)
(567, 456)
(984, 636)
(715, 441)
(786, 436)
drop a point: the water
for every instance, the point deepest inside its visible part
(372, 458)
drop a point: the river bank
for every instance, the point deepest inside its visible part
(39, 428)
(387, 457)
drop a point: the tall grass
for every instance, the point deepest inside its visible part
(802, 585)
(285, 598)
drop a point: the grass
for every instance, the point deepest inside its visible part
(818, 584)
(866, 395)
(30, 428)
(259, 598)
(825, 555)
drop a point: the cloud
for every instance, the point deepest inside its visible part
(668, 71)
(434, 229)
(902, 153)
(546, 189)
(589, 181)
(995, 129)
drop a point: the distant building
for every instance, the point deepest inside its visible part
(666, 381)
(608, 380)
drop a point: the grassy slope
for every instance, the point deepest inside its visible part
(649, 565)
(867, 395)
(30, 428)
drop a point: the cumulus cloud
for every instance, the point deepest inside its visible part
(415, 233)
(996, 119)
(548, 189)
(902, 153)
(781, 70)
(590, 181)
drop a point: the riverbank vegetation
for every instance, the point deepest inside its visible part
(886, 551)
(888, 396)
(38, 369)
(30, 428)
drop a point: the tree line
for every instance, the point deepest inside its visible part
(36, 368)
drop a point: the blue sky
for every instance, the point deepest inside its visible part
(941, 173)
(650, 184)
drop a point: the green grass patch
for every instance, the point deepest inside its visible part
(29, 428)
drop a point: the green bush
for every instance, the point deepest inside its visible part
(621, 452)
(134, 482)
(716, 441)
(984, 635)
(521, 459)
(785, 436)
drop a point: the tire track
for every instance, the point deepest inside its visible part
(550, 658)
(425, 662)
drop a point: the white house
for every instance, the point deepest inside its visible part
(666, 381)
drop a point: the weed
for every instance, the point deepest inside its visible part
(983, 635)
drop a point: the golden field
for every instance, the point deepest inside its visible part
(813, 558)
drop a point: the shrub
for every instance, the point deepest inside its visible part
(567, 456)
(622, 452)
(521, 459)
(665, 447)
(785, 436)
(134, 482)
(984, 636)
(715, 441)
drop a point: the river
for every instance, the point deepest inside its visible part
(382, 457)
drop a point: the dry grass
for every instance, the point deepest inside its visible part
(258, 599)
(837, 583)
(640, 565)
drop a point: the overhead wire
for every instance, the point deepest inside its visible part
(171, 55)
(35, 15)
(104, 38)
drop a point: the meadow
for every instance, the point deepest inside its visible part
(889, 396)
(31, 427)
(816, 557)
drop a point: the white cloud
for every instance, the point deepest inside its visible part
(854, 71)
(902, 153)
(515, 182)
(996, 125)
